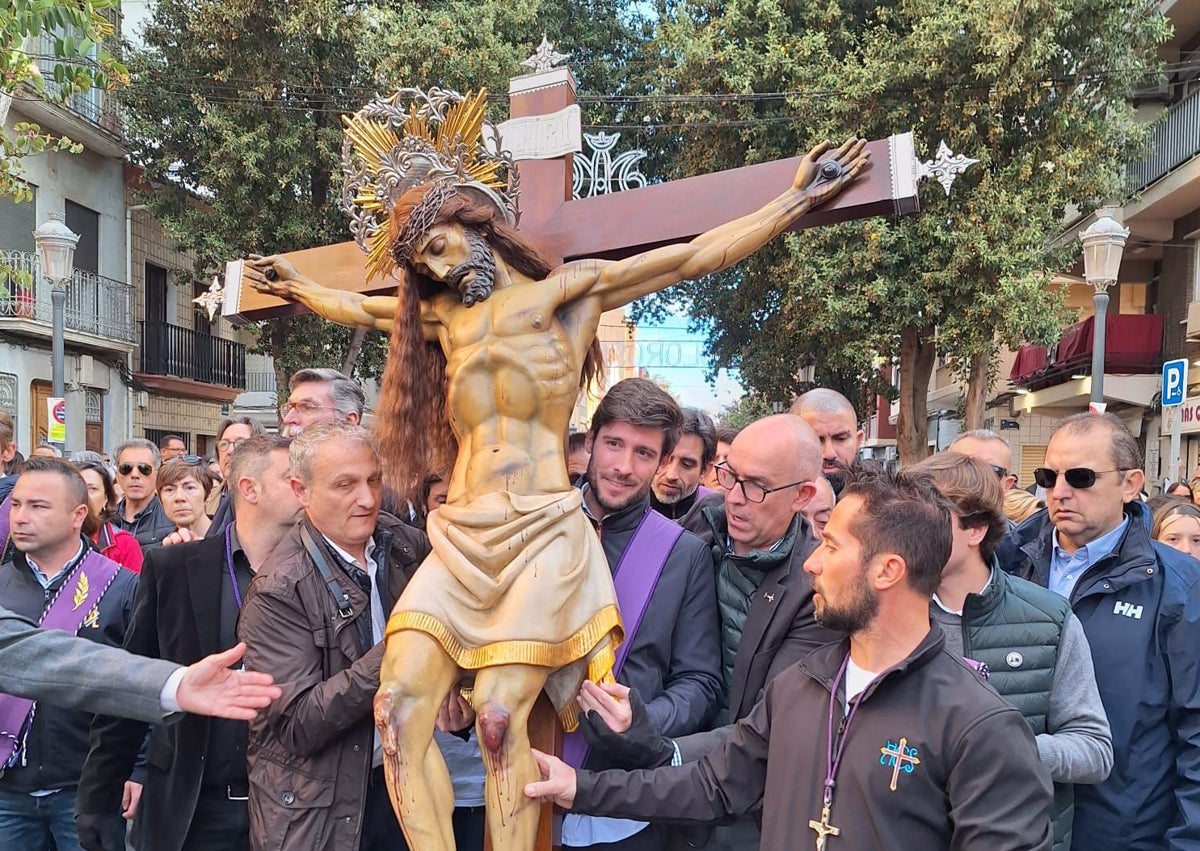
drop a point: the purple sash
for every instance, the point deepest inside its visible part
(79, 594)
(651, 543)
(5, 510)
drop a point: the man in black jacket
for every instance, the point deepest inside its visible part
(881, 741)
(665, 588)
(51, 578)
(186, 608)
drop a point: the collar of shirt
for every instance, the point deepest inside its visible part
(41, 578)
(958, 612)
(370, 567)
(1094, 550)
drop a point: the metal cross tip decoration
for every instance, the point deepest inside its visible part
(545, 57)
(945, 166)
(212, 298)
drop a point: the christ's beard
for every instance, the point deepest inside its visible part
(482, 262)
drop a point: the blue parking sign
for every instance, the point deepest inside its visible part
(1174, 382)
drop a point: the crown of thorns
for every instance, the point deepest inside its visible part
(437, 137)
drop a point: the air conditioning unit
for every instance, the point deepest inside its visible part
(85, 368)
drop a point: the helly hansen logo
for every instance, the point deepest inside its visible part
(1128, 610)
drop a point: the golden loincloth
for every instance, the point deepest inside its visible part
(518, 580)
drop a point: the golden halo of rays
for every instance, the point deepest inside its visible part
(456, 142)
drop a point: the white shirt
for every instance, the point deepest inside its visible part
(857, 679)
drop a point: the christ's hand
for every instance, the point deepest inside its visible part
(820, 181)
(272, 275)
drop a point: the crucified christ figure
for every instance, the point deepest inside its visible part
(488, 346)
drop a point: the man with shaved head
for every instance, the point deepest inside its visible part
(760, 540)
(835, 421)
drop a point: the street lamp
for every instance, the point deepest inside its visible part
(1103, 243)
(56, 245)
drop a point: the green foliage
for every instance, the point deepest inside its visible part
(1035, 89)
(239, 102)
(749, 407)
(81, 30)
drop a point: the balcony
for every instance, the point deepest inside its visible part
(192, 358)
(1133, 346)
(1174, 140)
(99, 310)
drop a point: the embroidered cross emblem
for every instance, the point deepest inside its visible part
(900, 757)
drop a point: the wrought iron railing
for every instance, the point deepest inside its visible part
(1174, 140)
(172, 350)
(96, 105)
(95, 304)
(260, 382)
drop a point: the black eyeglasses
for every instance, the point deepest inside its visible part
(226, 445)
(753, 491)
(144, 469)
(1080, 478)
(1000, 472)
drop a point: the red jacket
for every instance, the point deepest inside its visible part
(120, 546)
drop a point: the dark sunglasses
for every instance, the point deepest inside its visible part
(1000, 472)
(1079, 478)
(144, 469)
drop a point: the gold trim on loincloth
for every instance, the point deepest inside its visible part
(599, 636)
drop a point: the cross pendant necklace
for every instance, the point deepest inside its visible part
(823, 828)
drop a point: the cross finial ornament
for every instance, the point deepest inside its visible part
(545, 57)
(212, 298)
(944, 167)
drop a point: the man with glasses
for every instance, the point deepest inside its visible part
(139, 512)
(760, 540)
(231, 432)
(171, 446)
(320, 395)
(985, 445)
(1139, 603)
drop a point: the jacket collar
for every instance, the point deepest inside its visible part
(625, 520)
(1132, 559)
(989, 598)
(824, 663)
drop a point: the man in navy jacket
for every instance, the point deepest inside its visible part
(1137, 600)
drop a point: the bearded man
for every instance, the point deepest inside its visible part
(489, 345)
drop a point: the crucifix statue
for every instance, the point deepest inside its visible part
(490, 342)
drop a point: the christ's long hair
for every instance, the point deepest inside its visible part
(412, 420)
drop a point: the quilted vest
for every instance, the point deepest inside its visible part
(1014, 627)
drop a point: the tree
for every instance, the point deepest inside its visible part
(239, 102)
(1036, 90)
(82, 34)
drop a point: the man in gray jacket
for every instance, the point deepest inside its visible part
(57, 667)
(1034, 647)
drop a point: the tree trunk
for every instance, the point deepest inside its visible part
(355, 349)
(917, 355)
(977, 389)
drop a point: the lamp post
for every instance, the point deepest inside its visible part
(1103, 243)
(56, 246)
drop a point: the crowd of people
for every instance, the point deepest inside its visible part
(817, 650)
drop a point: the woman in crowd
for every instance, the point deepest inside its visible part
(1178, 525)
(183, 486)
(1181, 490)
(112, 542)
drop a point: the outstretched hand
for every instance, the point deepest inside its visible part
(820, 181)
(558, 781)
(272, 275)
(211, 687)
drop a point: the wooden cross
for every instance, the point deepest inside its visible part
(899, 755)
(610, 226)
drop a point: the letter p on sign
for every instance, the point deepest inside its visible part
(1174, 382)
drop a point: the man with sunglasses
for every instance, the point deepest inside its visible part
(139, 512)
(1139, 603)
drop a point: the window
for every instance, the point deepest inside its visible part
(86, 223)
(17, 223)
(156, 293)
